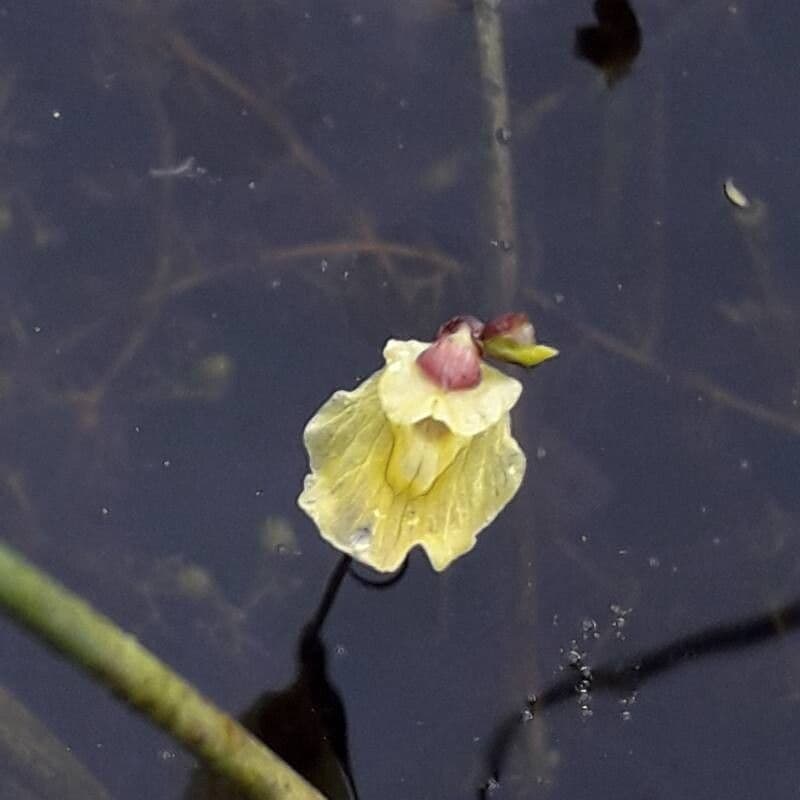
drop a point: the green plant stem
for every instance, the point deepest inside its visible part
(135, 675)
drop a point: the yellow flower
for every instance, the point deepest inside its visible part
(401, 461)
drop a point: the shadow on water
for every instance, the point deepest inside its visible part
(613, 44)
(304, 723)
(629, 675)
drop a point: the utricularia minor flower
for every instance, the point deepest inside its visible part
(421, 453)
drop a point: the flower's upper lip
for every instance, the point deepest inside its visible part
(407, 396)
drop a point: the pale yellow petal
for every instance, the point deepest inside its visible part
(482, 480)
(351, 443)
(408, 396)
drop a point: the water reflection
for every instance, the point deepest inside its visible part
(304, 723)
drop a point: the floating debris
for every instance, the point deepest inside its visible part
(186, 169)
(735, 195)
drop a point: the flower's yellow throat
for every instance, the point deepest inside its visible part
(421, 453)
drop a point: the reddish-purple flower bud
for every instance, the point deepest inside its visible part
(453, 361)
(514, 325)
(453, 324)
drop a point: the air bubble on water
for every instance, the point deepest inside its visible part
(541, 452)
(492, 785)
(340, 650)
(166, 463)
(251, 185)
(276, 283)
(589, 628)
(744, 464)
(360, 539)
(37, 328)
(558, 297)
(323, 265)
(654, 562)
(503, 135)
(166, 755)
(526, 715)
(619, 620)
(104, 511)
(626, 715)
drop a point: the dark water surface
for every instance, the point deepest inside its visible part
(165, 337)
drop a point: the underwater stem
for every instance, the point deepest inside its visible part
(135, 675)
(489, 35)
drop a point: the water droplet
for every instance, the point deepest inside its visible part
(56, 114)
(259, 492)
(654, 562)
(503, 135)
(541, 452)
(104, 511)
(251, 185)
(340, 650)
(323, 265)
(589, 628)
(166, 463)
(558, 297)
(744, 464)
(626, 715)
(501, 244)
(276, 283)
(166, 755)
(526, 715)
(361, 539)
(37, 328)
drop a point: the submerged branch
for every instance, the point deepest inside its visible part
(269, 114)
(489, 35)
(92, 641)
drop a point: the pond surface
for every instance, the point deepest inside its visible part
(212, 215)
